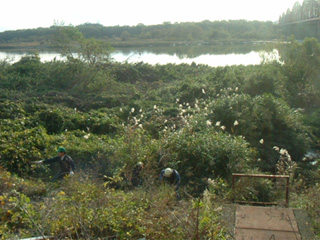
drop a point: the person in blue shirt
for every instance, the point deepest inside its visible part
(172, 177)
(66, 163)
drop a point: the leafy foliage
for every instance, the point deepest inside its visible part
(204, 122)
(162, 33)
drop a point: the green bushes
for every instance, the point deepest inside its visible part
(18, 216)
(82, 208)
(265, 122)
(19, 148)
(204, 122)
(207, 153)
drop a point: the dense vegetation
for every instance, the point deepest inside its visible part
(205, 122)
(205, 32)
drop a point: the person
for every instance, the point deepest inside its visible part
(136, 179)
(66, 163)
(171, 176)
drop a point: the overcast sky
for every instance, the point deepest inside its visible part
(24, 14)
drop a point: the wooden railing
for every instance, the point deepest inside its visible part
(240, 175)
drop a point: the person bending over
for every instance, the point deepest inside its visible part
(172, 177)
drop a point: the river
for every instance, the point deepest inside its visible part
(210, 55)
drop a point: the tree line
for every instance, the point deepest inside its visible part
(205, 31)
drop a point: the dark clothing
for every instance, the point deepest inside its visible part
(173, 179)
(136, 179)
(66, 165)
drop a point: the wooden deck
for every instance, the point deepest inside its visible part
(265, 223)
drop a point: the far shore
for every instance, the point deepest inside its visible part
(43, 46)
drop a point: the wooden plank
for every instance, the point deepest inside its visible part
(265, 223)
(244, 234)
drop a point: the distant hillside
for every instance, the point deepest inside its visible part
(205, 31)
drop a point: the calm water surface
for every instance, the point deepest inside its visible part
(212, 56)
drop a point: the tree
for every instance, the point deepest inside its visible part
(301, 61)
(87, 57)
(71, 43)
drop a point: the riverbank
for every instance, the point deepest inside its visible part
(47, 46)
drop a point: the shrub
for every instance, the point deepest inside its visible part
(198, 155)
(21, 146)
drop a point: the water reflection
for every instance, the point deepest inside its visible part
(193, 51)
(216, 55)
(207, 59)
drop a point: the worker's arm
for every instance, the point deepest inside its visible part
(161, 175)
(51, 160)
(38, 162)
(177, 177)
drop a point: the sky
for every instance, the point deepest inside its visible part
(26, 14)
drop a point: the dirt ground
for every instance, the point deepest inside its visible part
(305, 228)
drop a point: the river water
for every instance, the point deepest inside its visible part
(210, 55)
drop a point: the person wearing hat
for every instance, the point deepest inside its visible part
(172, 177)
(66, 163)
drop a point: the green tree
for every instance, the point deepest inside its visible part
(71, 43)
(301, 68)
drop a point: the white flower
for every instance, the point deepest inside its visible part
(87, 136)
(177, 100)
(120, 109)
(211, 182)
(140, 126)
(261, 141)
(235, 123)
(155, 107)
(223, 128)
(237, 89)
(203, 91)
(132, 110)
(276, 148)
(218, 123)
(165, 121)
(209, 123)
(140, 110)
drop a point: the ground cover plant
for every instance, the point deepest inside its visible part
(205, 122)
